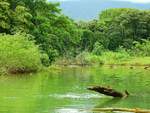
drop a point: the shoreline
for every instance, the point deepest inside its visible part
(144, 66)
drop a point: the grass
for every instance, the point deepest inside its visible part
(139, 61)
(107, 58)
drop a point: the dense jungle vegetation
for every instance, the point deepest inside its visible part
(35, 33)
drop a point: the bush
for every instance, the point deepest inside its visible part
(119, 56)
(98, 49)
(141, 49)
(18, 54)
(52, 55)
(95, 59)
(86, 58)
(82, 58)
(45, 59)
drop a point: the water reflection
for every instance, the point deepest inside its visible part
(65, 90)
(70, 110)
(108, 102)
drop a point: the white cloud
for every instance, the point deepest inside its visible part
(136, 1)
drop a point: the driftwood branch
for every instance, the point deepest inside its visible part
(121, 110)
(108, 91)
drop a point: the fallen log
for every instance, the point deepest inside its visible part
(108, 91)
(137, 110)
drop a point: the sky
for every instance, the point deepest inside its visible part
(90, 9)
(137, 1)
(133, 1)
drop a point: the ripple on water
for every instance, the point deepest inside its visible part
(69, 110)
(11, 97)
(76, 96)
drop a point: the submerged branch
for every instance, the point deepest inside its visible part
(121, 109)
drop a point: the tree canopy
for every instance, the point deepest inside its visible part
(58, 35)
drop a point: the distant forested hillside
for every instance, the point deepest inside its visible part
(89, 9)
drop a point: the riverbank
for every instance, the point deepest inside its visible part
(107, 59)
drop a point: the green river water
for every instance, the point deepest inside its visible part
(64, 90)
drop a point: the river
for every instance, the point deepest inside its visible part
(64, 90)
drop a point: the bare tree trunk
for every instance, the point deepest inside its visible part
(120, 109)
(108, 91)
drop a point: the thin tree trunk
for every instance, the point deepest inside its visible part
(120, 109)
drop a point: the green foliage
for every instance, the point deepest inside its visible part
(4, 19)
(59, 36)
(56, 34)
(141, 49)
(81, 59)
(98, 49)
(17, 53)
(52, 54)
(86, 58)
(21, 19)
(123, 26)
(94, 59)
(45, 59)
(87, 40)
(116, 27)
(92, 32)
(116, 56)
(107, 57)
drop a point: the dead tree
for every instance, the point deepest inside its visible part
(137, 110)
(108, 91)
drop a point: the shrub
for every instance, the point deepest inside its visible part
(115, 55)
(45, 59)
(82, 58)
(52, 55)
(86, 58)
(95, 59)
(18, 54)
(141, 49)
(98, 49)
